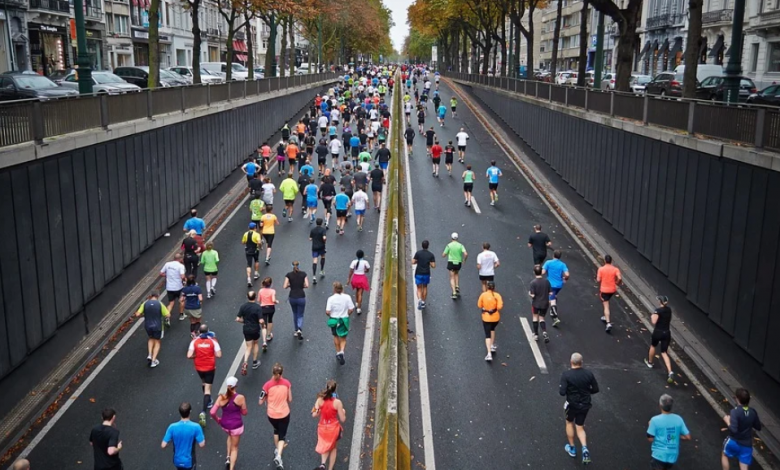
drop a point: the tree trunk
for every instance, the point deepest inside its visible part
(154, 44)
(270, 53)
(692, 47)
(627, 45)
(529, 63)
(291, 48)
(196, 40)
(486, 48)
(502, 42)
(464, 55)
(250, 54)
(474, 58)
(556, 39)
(229, 55)
(283, 51)
(583, 60)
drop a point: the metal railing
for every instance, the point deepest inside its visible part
(743, 123)
(34, 120)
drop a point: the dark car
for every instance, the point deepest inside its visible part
(665, 84)
(769, 95)
(26, 86)
(713, 88)
(139, 75)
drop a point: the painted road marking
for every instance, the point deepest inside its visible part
(475, 205)
(534, 346)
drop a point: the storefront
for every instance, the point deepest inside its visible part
(141, 48)
(121, 55)
(48, 46)
(94, 46)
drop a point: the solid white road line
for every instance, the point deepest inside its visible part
(534, 346)
(475, 205)
(363, 393)
(422, 365)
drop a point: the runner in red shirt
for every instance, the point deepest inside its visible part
(436, 152)
(205, 350)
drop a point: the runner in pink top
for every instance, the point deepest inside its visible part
(267, 299)
(277, 395)
(233, 407)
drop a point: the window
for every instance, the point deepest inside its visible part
(110, 23)
(167, 14)
(773, 62)
(120, 25)
(754, 57)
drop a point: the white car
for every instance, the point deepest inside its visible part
(561, 77)
(206, 76)
(638, 83)
(102, 82)
(239, 72)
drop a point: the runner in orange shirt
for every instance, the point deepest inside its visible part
(608, 277)
(277, 394)
(292, 151)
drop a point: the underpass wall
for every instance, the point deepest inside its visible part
(74, 221)
(711, 225)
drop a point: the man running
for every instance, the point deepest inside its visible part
(454, 106)
(430, 139)
(289, 189)
(322, 156)
(269, 223)
(492, 174)
(250, 168)
(204, 350)
(342, 203)
(326, 193)
(456, 255)
(539, 243)
(462, 139)
(174, 273)
(557, 273)
(665, 431)
(251, 241)
(539, 290)
(250, 315)
(608, 277)
(468, 184)
(577, 385)
(449, 155)
(195, 223)
(442, 112)
(420, 118)
(339, 308)
(310, 192)
(377, 177)
(360, 201)
(383, 157)
(487, 262)
(153, 312)
(741, 422)
(409, 135)
(662, 336)
(423, 262)
(435, 152)
(184, 434)
(318, 237)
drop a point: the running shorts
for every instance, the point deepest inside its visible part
(269, 239)
(268, 313)
(435, 160)
(280, 426)
(538, 311)
(409, 142)
(539, 258)
(468, 187)
(327, 203)
(311, 203)
(211, 273)
(656, 464)
(207, 376)
(173, 296)
(154, 334)
(250, 335)
(605, 296)
(461, 148)
(252, 258)
(576, 416)
(383, 165)
(318, 253)
(376, 189)
(453, 108)
(448, 157)
(492, 186)
(554, 292)
(341, 212)
(486, 278)
(422, 279)
(453, 266)
(193, 312)
(743, 453)
(489, 327)
(360, 211)
(661, 339)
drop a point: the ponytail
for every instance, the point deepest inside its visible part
(329, 390)
(229, 393)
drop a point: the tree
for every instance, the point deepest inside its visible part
(583, 59)
(231, 11)
(692, 48)
(556, 39)
(627, 20)
(193, 7)
(250, 54)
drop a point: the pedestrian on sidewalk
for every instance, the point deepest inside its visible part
(331, 412)
(277, 396)
(191, 302)
(104, 439)
(154, 314)
(741, 422)
(662, 336)
(297, 281)
(539, 290)
(608, 277)
(175, 275)
(268, 301)
(664, 432)
(491, 303)
(251, 316)
(358, 277)
(204, 351)
(487, 262)
(210, 261)
(539, 243)
(577, 385)
(233, 406)
(338, 309)
(423, 261)
(184, 434)
(456, 255)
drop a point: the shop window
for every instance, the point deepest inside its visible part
(773, 64)
(754, 57)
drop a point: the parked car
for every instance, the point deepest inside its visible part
(139, 75)
(608, 81)
(102, 82)
(21, 86)
(769, 95)
(702, 71)
(239, 72)
(571, 80)
(713, 88)
(561, 77)
(638, 83)
(205, 75)
(58, 75)
(665, 84)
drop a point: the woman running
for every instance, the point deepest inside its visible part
(280, 158)
(268, 191)
(296, 280)
(268, 301)
(330, 411)
(251, 316)
(277, 394)
(233, 407)
(358, 279)
(491, 303)
(210, 261)
(468, 184)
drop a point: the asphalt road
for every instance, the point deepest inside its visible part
(147, 399)
(508, 414)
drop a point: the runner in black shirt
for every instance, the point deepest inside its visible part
(326, 193)
(662, 336)
(377, 177)
(409, 135)
(539, 290)
(322, 155)
(105, 442)
(539, 243)
(303, 181)
(318, 239)
(577, 385)
(430, 138)
(420, 117)
(251, 314)
(423, 261)
(449, 156)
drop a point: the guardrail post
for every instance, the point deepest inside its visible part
(760, 119)
(104, 111)
(566, 96)
(37, 127)
(244, 88)
(612, 104)
(208, 94)
(268, 80)
(183, 104)
(587, 92)
(525, 87)
(549, 93)
(515, 80)
(230, 85)
(149, 104)
(691, 114)
(257, 86)
(536, 92)
(645, 105)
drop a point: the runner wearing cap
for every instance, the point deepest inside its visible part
(251, 241)
(456, 254)
(233, 406)
(662, 336)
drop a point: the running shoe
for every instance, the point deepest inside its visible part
(289, 219)
(556, 322)
(536, 337)
(208, 296)
(149, 360)
(255, 365)
(604, 319)
(359, 311)
(249, 283)
(269, 337)
(492, 203)
(489, 358)
(202, 419)
(278, 460)
(419, 304)
(265, 346)
(227, 461)
(608, 327)
(244, 368)
(321, 467)
(182, 316)
(322, 273)
(571, 450)
(457, 289)
(155, 363)
(585, 456)
(546, 337)
(342, 361)
(493, 348)
(257, 275)
(360, 228)
(670, 378)
(213, 291)
(454, 296)
(284, 212)
(314, 279)
(299, 334)
(424, 305)
(267, 261)
(648, 364)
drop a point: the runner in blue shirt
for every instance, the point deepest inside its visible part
(557, 273)
(665, 431)
(307, 169)
(443, 112)
(354, 144)
(311, 200)
(184, 435)
(342, 203)
(249, 169)
(492, 174)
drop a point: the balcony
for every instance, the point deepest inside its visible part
(93, 13)
(239, 36)
(213, 32)
(16, 3)
(664, 21)
(59, 6)
(766, 20)
(717, 16)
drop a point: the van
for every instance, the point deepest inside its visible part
(702, 71)
(239, 71)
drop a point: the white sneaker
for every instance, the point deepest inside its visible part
(154, 363)
(489, 358)
(493, 348)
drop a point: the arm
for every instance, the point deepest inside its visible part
(594, 386)
(140, 311)
(653, 318)
(286, 284)
(733, 421)
(566, 276)
(563, 385)
(315, 410)
(349, 278)
(341, 411)
(433, 264)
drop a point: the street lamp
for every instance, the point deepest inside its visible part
(734, 67)
(82, 60)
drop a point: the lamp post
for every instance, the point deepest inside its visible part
(734, 67)
(599, 65)
(82, 60)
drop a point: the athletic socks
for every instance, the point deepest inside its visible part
(314, 269)
(214, 283)
(322, 264)
(536, 327)
(208, 286)
(554, 311)
(206, 401)
(543, 324)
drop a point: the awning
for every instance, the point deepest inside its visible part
(664, 46)
(676, 47)
(717, 47)
(239, 46)
(644, 50)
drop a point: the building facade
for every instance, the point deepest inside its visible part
(761, 44)
(662, 32)
(569, 41)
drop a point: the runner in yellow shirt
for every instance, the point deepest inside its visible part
(269, 223)
(289, 189)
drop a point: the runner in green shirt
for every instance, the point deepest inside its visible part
(468, 184)
(289, 189)
(257, 208)
(456, 255)
(453, 106)
(210, 259)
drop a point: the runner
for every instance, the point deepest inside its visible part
(268, 191)
(662, 336)
(665, 431)
(487, 262)
(539, 290)
(608, 277)
(557, 273)
(256, 208)
(318, 238)
(277, 396)
(153, 312)
(210, 261)
(292, 150)
(449, 155)
(184, 434)
(233, 406)
(342, 203)
(358, 278)
(250, 168)
(577, 385)
(305, 170)
(430, 139)
(454, 106)
(251, 316)
(191, 249)
(423, 261)
(741, 422)
(280, 158)
(191, 302)
(335, 151)
(456, 255)
(338, 308)
(420, 117)
(383, 157)
(265, 154)
(175, 275)
(408, 108)
(360, 201)
(195, 223)
(377, 178)
(330, 411)
(309, 142)
(442, 112)
(289, 189)
(354, 148)
(104, 439)
(267, 299)
(491, 303)
(492, 174)
(204, 350)
(285, 133)
(468, 177)
(252, 241)
(435, 152)
(326, 193)
(297, 281)
(322, 123)
(462, 139)
(409, 135)
(539, 243)
(311, 191)
(269, 223)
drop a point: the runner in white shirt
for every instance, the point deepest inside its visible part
(335, 150)
(174, 274)
(373, 114)
(360, 201)
(408, 111)
(374, 131)
(334, 115)
(322, 123)
(487, 262)
(462, 139)
(338, 308)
